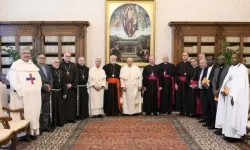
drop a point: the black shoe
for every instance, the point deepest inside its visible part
(211, 127)
(47, 130)
(206, 125)
(156, 114)
(100, 116)
(202, 121)
(32, 137)
(218, 132)
(232, 140)
(199, 118)
(25, 138)
(60, 125)
(182, 114)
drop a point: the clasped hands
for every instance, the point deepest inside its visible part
(48, 87)
(69, 85)
(124, 89)
(193, 86)
(205, 85)
(98, 88)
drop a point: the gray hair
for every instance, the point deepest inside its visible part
(24, 49)
(55, 59)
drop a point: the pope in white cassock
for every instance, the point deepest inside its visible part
(131, 83)
(233, 102)
(97, 84)
(25, 83)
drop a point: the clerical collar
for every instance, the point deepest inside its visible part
(165, 63)
(195, 66)
(81, 66)
(237, 65)
(152, 64)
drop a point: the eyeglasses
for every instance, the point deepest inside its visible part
(25, 53)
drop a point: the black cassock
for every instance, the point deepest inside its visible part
(71, 76)
(193, 94)
(151, 102)
(59, 89)
(167, 77)
(83, 75)
(182, 69)
(111, 100)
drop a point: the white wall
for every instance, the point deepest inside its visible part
(94, 12)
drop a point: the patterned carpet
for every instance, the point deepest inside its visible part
(133, 133)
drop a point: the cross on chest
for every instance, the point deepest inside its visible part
(31, 78)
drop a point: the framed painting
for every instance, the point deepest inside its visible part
(130, 30)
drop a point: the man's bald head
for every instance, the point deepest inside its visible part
(25, 54)
(151, 59)
(221, 60)
(113, 59)
(66, 57)
(184, 56)
(201, 56)
(55, 63)
(81, 61)
(165, 58)
(203, 63)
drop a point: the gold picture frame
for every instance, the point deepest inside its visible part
(130, 30)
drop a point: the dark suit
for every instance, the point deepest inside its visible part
(222, 77)
(217, 83)
(210, 109)
(45, 119)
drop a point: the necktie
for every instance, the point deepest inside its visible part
(44, 71)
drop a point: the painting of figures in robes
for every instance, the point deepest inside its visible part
(130, 30)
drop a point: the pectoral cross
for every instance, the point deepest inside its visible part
(31, 79)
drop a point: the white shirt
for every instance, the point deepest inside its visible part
(209, 71)
(199, 84)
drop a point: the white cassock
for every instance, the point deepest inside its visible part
(97, 78)
(131, 79)
(3, 95)
(233, 119)
(26, 84)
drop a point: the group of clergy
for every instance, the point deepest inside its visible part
(67, 91)
(214, 92)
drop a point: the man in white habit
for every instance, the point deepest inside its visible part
(26, 84)
(97, 84)
(233, 102)
(131, 84)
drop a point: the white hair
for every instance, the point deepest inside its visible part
(54, 59)
(111, 61)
